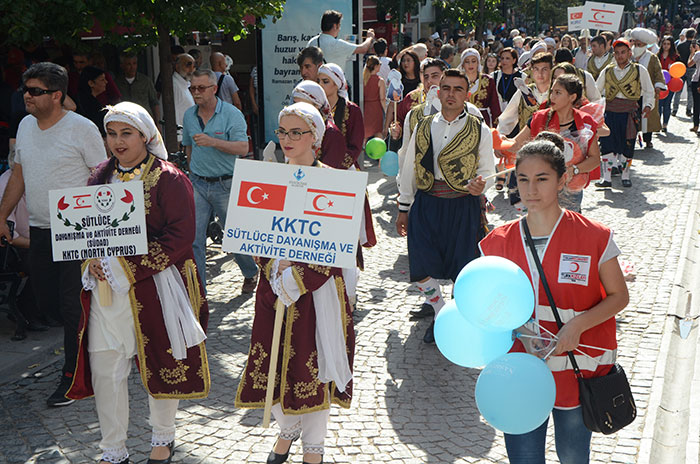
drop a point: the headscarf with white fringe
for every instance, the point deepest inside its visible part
(337, 75)
(137, 117)
(311, 116)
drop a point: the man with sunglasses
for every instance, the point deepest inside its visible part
(55, 149)
(214, 135)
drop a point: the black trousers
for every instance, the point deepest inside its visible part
(57, 289)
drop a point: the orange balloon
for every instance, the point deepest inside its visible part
(675, 84)
(677, 70)
(499, 143)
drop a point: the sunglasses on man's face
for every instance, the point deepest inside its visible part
(36, 91)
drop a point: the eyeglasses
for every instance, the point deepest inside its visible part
(199, 88)
(36, 91)
(294, 134)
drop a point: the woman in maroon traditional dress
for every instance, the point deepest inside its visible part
(346, 115)
(333, 150)
(482, 88)
(158, 312)
(318, 338)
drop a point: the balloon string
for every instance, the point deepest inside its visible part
(557, 338)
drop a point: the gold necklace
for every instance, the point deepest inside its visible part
(126, 176)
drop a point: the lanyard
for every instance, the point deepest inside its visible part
(504, 87)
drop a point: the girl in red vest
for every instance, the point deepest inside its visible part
(582, 154)
(579, 258)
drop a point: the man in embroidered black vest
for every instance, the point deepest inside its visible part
(441, 180)
(623, 84)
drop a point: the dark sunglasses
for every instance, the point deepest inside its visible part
(36, 91)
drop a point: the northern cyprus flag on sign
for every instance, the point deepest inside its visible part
(298, 213)
(602, 16)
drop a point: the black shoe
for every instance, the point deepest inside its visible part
(37, 327)
(58, 398)
(603, 184)
(249, 284)
(429, 336)
(274, 458)
(171, 445)
(425, 310)
(649, 146)
(125, 461)
(304, 462)
(626, 183)
(674, 112)
(615, 171)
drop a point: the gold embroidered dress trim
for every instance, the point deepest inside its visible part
(630, 86)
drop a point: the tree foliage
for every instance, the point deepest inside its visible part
(470, 14)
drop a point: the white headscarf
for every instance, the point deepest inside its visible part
(310, 115)
(337, 75)
(314, 93)
(539, 47)
(469, 52)
(137, 117)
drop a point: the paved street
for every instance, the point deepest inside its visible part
(410, 405)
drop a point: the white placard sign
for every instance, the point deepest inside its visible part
(298, 213)
(575, 15)
(602, 16)
(98, 221)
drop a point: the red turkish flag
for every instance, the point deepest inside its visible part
(329, 203)
(262, 196)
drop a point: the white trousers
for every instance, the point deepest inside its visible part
(312, 427)
(110, 374)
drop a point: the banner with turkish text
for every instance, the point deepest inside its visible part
(298, 213)
(602, 16)
(98, 221)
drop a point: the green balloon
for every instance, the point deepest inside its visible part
(375, 148)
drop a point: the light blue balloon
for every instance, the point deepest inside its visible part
(464, 344)
(515, 393)
(494, 294)
(390, 164)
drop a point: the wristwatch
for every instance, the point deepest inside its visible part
(576, 170)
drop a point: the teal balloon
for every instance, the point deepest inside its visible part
(515, 393)
(494, 294)
(464, 344)
(390, 164)
(375, 148)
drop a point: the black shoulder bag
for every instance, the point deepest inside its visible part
(606, 402)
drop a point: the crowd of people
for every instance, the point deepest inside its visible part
(536, 117)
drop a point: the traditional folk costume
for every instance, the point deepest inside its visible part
(333, 153)
(444, 221)
(482, 92)
(652, 123)
(596, 64)
(622, 88)
(347, 116)
(158, 311)
(580, 134)
(587, 244)
(505, 86)
(317, 345)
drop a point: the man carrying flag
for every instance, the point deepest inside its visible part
(441, 180)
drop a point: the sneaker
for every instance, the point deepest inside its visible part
(58, 398)
(249, 284)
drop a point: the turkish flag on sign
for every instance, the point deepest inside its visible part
(262, 196)
(329, 203)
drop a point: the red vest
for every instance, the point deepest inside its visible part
(581, 119)
(571, 264)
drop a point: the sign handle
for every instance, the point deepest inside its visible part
(272, 371)
(500, 173)
(104, 293)
(394, 111)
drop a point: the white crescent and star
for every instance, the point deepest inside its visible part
(265, 196)
(329, 203)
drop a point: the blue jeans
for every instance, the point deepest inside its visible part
(677, 97)
(665, 108)
(208, 197)
(571, 437)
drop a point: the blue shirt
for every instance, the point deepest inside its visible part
(228, 124)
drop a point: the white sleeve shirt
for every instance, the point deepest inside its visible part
(648, 92)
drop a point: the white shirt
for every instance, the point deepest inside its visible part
(183, 97)
(644, 61)
(442, 132)
(581, 58)
(336, 51)
(384, 67)
(510, 116)
(696, 74)
(648, 93)
(600, 60)
(592, 92)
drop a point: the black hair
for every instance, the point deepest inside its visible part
(671, 51)
(544, 148)
(176, 50)
(431, 62)
(513, 52)
(599, 39)
(380, 46)
(53, 76)
(490, 55)
(195, 53)
(339, 114)
(416, 64)
(455, 72)
(553, 137)
(315, 53)
(542, 57)
(689, 34)
(329, 19)
(563, 55)
(89, 73)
